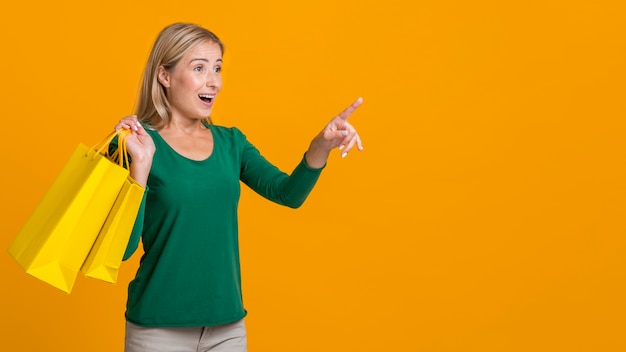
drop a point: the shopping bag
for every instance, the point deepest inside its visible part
(105, 257)
(55, 240)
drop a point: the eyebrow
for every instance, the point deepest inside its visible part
(204, 60)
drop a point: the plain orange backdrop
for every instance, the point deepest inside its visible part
(486, 212)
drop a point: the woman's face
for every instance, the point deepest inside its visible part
(192, 85)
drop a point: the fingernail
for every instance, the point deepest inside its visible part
(341, 147)
(344, 133)
(344, 154)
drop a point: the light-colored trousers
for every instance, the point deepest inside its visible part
(220, 338)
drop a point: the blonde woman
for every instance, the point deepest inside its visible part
(186, 295)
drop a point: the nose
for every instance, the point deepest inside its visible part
(212, 79)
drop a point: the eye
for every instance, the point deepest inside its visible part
(217, 69)
(198, 68)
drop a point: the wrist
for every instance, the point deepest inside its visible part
(316, 156)
(140, 169)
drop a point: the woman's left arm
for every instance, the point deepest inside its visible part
(292, 189)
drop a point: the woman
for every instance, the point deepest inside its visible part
(187, 291)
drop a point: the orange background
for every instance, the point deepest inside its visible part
(485, 214)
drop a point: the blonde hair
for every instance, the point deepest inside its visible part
(172, 43)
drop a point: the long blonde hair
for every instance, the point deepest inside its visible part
(172, 43)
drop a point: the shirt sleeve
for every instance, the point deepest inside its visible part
(270, 182)
(135, 235)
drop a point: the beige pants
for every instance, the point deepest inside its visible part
(220, 338)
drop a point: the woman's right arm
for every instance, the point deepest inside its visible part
(141, 149)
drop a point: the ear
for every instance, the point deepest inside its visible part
(163, 76)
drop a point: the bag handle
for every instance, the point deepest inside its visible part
(124, 160)
(121, 147)
(99, 147)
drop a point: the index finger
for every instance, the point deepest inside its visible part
(350, 109)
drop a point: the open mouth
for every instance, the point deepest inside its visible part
(207, 98)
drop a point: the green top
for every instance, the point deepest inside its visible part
(189, 274)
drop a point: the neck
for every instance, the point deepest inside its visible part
(186, 126)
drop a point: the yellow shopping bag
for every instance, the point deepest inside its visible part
(55, 240)
(105, 257)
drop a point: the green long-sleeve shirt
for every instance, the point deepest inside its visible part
(189, 273)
